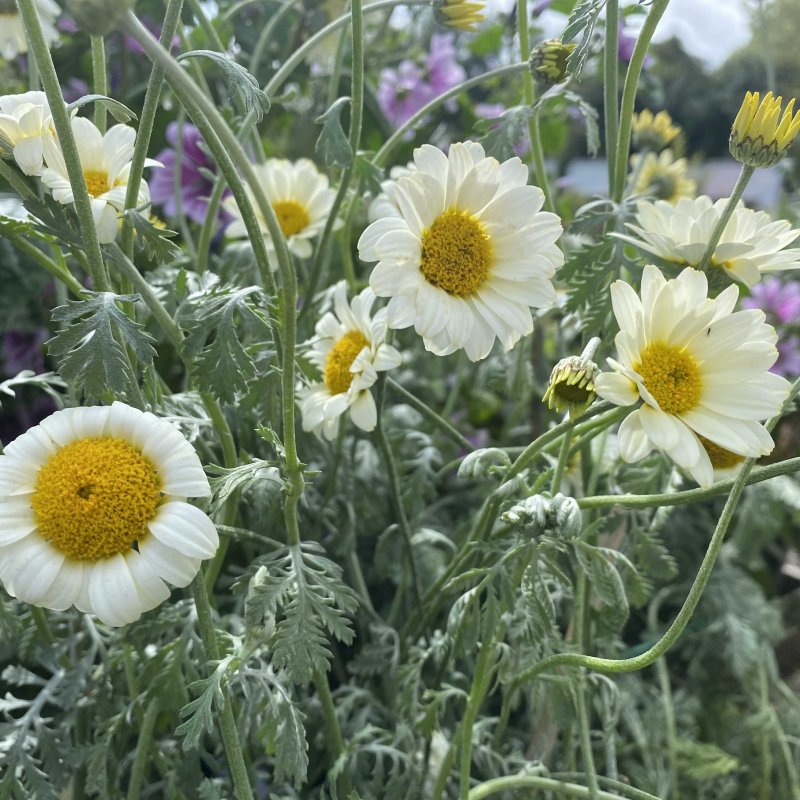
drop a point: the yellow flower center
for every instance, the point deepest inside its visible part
(94, 497)
(456, 253)
(720, 457)
(292, 217)
(671, 376)
(96, 181)
(341, 357)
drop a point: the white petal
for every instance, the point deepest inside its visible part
(633, 442)
(112, 592)
(171, 565)
(185, 528)
(364, 412)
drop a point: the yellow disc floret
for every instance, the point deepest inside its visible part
(94, 497)
(456, 253)
(720, 457)
(96, 181)
(341, 357)
(671, 376)
(292, 217)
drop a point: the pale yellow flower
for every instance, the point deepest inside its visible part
(661, 176)
(760, 136)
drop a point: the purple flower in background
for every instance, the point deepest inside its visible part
(195, 185)
(74, 89)
(23, 350)
(402, 92)
(540, 6)
(494, 111)
(444, 72)
(625, 45)
(780, 301)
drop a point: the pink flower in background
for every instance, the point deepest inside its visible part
(444, 71)
(780, 301)
(495, 111)
(625, 45)
(195, 183)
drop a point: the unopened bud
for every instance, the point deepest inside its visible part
(760, 136)
(571, 385)
(548, 61)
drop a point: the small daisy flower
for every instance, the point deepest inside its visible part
(469, 254)
(751, 243)
(350, 350)
(93, 513)
(106, 161)
(300, 197)
(12, 32)
(661, 176)
(24, 123)
(653, 131)
(699, 368)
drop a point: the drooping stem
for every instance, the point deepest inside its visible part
(143, 746)
(630, 87)
(39, 49)
(560, 788)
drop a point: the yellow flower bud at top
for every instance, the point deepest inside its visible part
(548, 61)
(653, 131)
(760, 136)
(462, 15)
(571, 385)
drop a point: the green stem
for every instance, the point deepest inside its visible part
(657, 10)
(147, 118)
(42, 625)
(424, 409)
(480, 684)
(497, 785)
(611, 88)
(227, 723)
(40, 50)
(738, 190)
(379, 159)
(561, 464)
(332, 723)
(537, 154)
(143, 745)
(758, 475)
(209, 225)
(266, 33)
(10, 175)
(209, 30)
(61, 274)
(623, 789)
(584, 724)
(99, 80)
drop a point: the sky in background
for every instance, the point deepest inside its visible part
(709, 29)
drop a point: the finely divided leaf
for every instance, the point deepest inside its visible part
(90, 345)
(199, 713)
(153, 242)
(238, 79)
(581, 21)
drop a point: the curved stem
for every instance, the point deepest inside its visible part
(629, 93)
(227, 722)
(510, 69)
(758, 475)
(40, 50)
(266, 32)
(544, 784)
(146, 120)
(61, 274)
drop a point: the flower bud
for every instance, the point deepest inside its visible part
(653, 131)
(558, 515)
(548, 62)
(571, 385)
(760, 136)
(99, 17)
(461, 15)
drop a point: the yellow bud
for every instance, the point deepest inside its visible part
(760, 136)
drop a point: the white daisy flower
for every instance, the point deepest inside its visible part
(93, 512)
(469, 253)
(24, 123)
(106, 161)
(751, 243)
(299, 195)
(700, 369)
(385, 204)
(350, 350)
(12, 32)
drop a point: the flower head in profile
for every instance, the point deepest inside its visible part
(760, 136)
(697, 367)
(94, 513)
(751, 242)
(195, 168)
(468, 252)
(661, 176)
(24, 123)
(106, 163)
(571, 384)
(653, 131)
(12, 32)
(462, 15)
(349, 349)
(300, 197)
